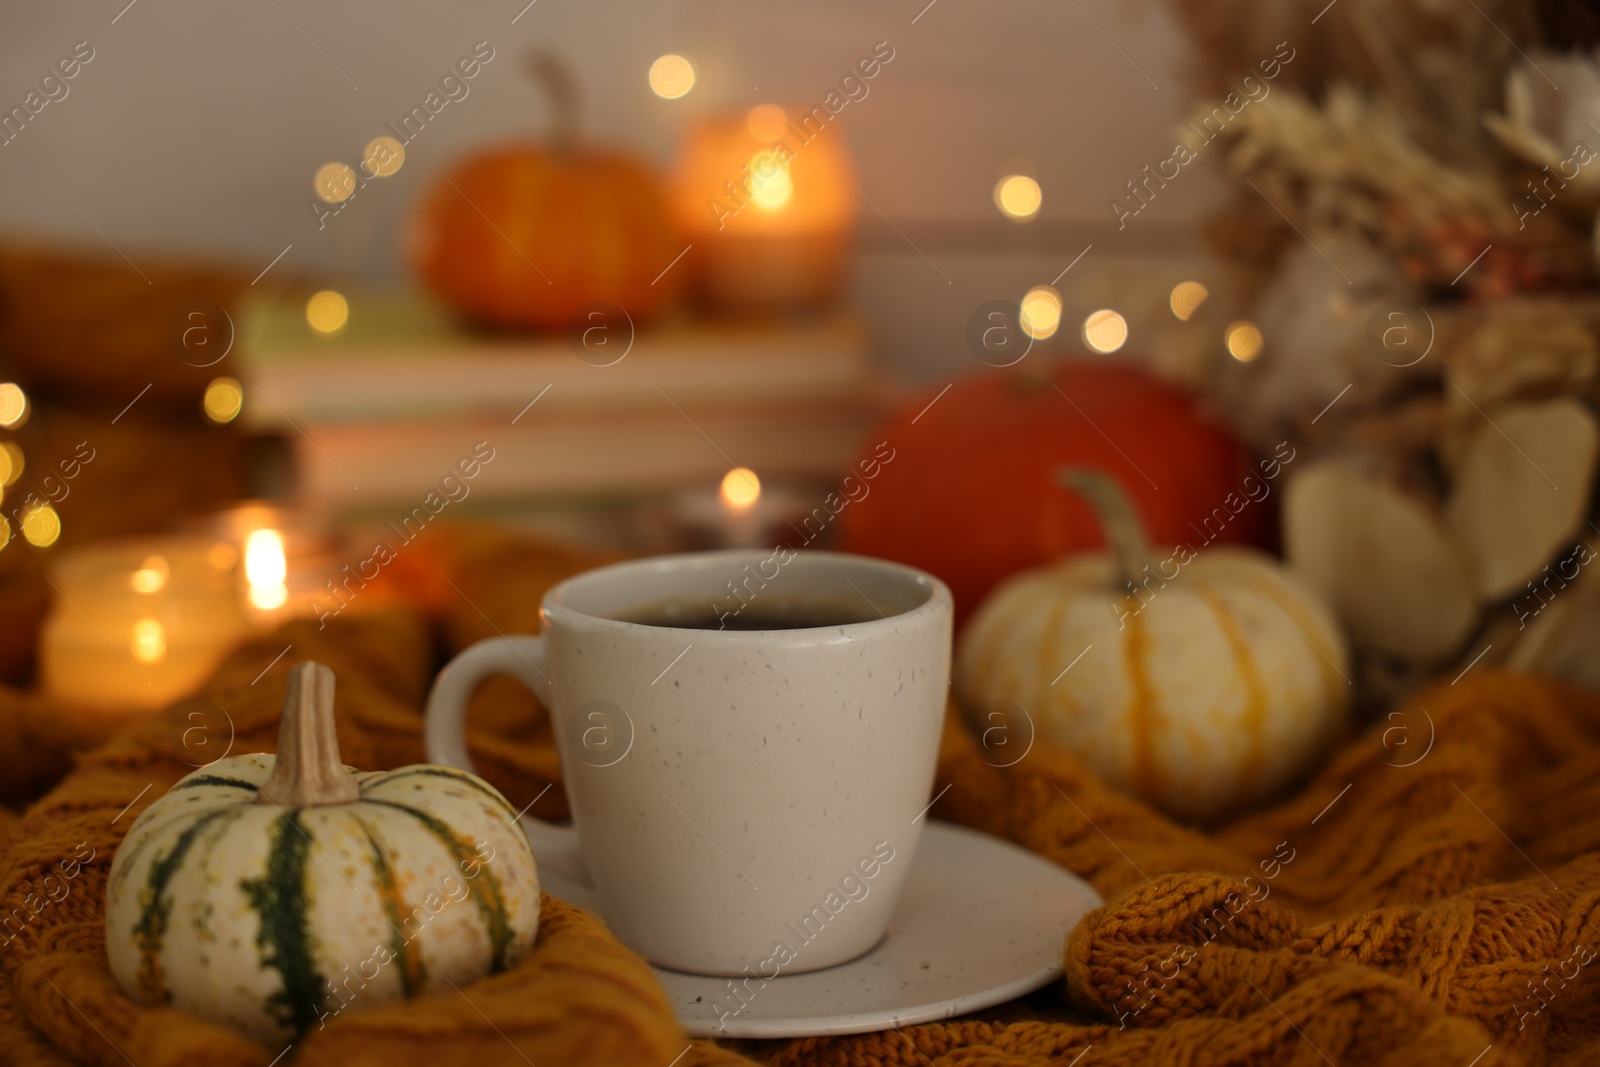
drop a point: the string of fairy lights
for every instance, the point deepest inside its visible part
(37, 520)
(1018, 197)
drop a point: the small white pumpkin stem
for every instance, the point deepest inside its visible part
(308, 771)
(1120, 524)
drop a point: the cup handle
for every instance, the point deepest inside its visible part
(556, 848)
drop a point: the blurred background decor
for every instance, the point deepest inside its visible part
(1417, 238)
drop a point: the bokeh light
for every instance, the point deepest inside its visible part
(13, 405)
(1187, 298)
(1040, 312)
(384, 156)
(770, 184)
(224, 398)
(10, 463)
(741, 488)
(1244, 341)
(334, 182)
(766, 122)
(41, 525)
(1018, 197)
(671, 76)
(327, 311)
(1105, 331)
(152, 575)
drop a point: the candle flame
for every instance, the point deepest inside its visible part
(149, 641)
(266, 567)
(771, 187)
(741, 489)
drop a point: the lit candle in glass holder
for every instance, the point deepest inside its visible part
(739, 495)
(739, 513)
(782, 208)
(288, 557)
(138, 624)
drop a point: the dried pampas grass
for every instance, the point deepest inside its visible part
(1441, 61)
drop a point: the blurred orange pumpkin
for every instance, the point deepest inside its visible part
(527, 235)
(973, 497)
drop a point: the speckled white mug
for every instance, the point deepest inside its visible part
(745, 802)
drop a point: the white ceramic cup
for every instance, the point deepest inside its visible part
(744, 801)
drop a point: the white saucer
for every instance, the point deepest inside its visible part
(980, 922)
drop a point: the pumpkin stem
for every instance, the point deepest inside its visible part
(1120, 524)
(308, 771)
(553, 74)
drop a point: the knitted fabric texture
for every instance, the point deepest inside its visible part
(1431, 897)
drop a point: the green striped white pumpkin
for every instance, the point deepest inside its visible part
(271, 918)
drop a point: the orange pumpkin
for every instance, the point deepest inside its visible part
(972, 497)
(528, 236)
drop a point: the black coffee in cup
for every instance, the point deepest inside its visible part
(768, 613)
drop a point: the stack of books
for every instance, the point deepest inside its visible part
(383, 410)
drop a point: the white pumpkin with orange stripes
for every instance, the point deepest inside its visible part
(1201, 681)
(270, 893)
